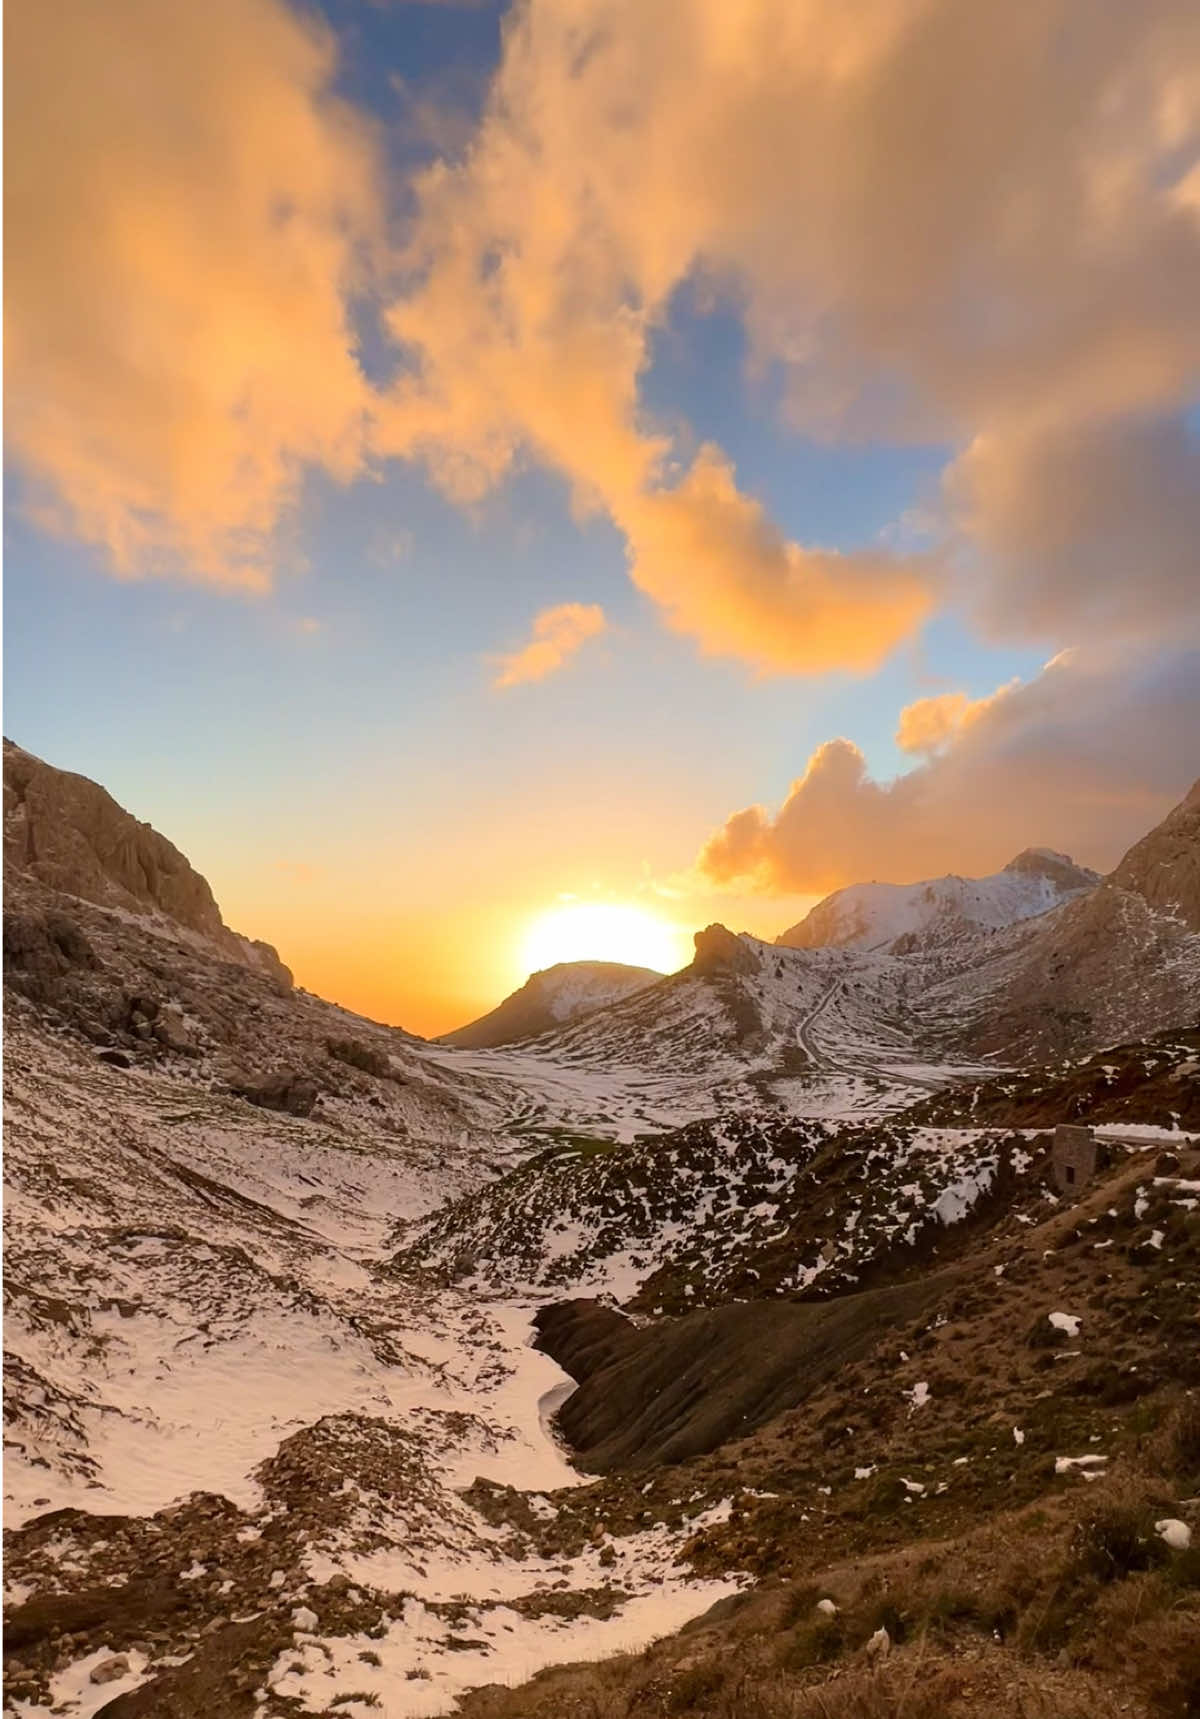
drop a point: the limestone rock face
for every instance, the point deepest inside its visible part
(73, 837)
(1164, 867)
(719, 950)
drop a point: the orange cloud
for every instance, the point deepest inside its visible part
(557, 635)
(928, 724)
(723, 573)
(969, 223)
(935, 221)
(188, 210)
(1083, 758)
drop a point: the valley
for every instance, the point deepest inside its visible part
(660, 1362)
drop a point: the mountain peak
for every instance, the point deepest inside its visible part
(1059, 868)
(719, 950)
(1164, 867)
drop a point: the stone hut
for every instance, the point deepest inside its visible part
(1074, 1158)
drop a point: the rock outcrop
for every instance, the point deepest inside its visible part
(719, 951)
(1164, 867)
(70, 835)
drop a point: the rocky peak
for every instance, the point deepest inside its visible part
(1059, 869)
(554, 997)
(70, 835)
(718, 950)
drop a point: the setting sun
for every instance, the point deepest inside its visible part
(604, 931)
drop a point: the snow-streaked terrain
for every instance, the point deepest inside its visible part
(192, 1289)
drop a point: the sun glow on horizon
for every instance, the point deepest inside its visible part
(604, 931)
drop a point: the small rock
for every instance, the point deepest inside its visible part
(829, 1608)
(880, 1644)
(109, 1670)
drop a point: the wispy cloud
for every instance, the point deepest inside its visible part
(557, 635)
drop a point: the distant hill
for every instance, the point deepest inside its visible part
(555, 997)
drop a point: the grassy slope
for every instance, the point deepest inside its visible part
(1006, 1589)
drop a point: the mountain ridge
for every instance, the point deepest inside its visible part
(905, 917)
(1102, 960)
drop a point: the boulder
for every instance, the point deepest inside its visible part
(109, 1670)
(355, 1054)
(173, 1031)
(287, 1091)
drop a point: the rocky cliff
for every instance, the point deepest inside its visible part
(69, 834)
(1164, 867)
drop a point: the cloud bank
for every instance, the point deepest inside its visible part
(1084, 758)
(936, 221)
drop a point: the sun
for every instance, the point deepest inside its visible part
(603, 931)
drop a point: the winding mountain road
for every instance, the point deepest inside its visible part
(822, 1059)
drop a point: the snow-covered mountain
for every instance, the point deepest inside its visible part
(555, 997)
(903, 917)
(1119, 961)
(888, 988)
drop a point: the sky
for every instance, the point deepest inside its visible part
(469, 461)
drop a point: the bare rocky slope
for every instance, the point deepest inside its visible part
(1120, 961)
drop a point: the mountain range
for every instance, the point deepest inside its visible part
(724, 1344)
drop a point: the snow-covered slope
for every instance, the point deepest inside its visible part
(745, 1206)
(219, 1410)
(826, 1031)
(553, 998)
(907, 917)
